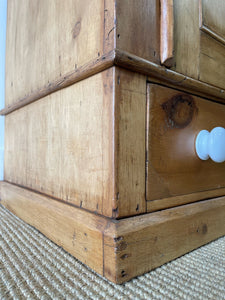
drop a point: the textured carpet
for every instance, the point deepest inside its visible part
(32, 267)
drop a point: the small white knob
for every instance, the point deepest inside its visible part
(211, 144)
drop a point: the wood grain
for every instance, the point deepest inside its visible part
(130, 112)
(212, 61)
(173, 167)
(48, 39)
(166, 33)
(145, 242)
(49, 44)
(128, 61)
(155, 205)
(212, 18)
(64, 144)
(167, 76)
(119, 250)
(186, 37)
(93, 67)
(75, 230)
(138, 28)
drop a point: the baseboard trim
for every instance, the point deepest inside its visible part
(119, 250)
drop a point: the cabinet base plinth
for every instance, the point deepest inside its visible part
(119, 249)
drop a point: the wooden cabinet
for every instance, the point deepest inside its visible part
(104, 100)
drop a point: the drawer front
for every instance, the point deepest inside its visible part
(174, 120)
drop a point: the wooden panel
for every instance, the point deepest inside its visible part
(62, 145)
(175, 119)
(138, 28)
(119, 250)
(145, 242)
(212, 61)
(130, 110)
(212, 18)
(75, 230)
(48, 39)
(186, 37)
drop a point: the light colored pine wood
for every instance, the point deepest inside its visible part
(48, 39)
(212, 61)
(49, 43)
(93, 67)
(119, 250)
(62, 145)
(146, 242)
(138, 28)
(173, 167)
(84, 144)
(186, 37)
(130, 112)
(165, 203)
(212, 18)
(126, 60)
(166, 33)
(77, 231)
(168, 77)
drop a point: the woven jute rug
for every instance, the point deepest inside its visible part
(32, 267)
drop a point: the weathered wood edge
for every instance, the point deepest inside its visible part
(164, 203)
(87, 70)
(162, 75)
(156, 73)
(119, 250)
(166, 33)
(74, 229)
(145, 242)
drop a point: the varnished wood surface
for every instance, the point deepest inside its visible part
(84, 144)
(91, 68)
(46, 40)
(130, 111)
(155, 205)
(186, 38)
(138, 28)
(146, 242)
(212, 18)
(168, 77)
(62, 145)
(131, 62)
(76, 230)
(119, 250)
(212, 61)
(166, 33)
(173, 167)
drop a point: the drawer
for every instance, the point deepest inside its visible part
(174, 171)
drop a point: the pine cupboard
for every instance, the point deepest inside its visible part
(104, 101)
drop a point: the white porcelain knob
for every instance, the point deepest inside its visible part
(211, 144)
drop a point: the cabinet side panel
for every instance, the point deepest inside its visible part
(47, 40)
(61, 145)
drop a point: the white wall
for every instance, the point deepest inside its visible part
(3, 13)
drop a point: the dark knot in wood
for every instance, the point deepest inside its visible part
(179, 110)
